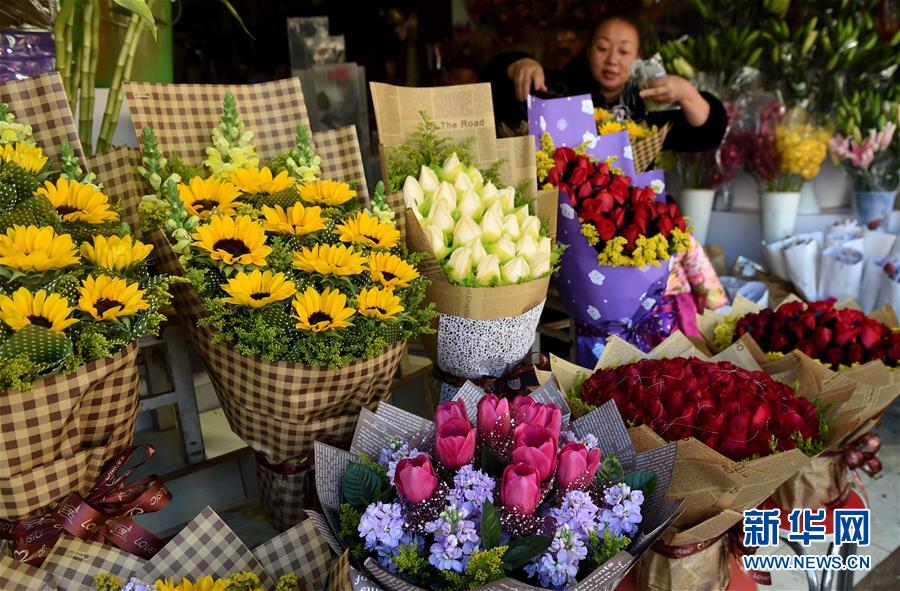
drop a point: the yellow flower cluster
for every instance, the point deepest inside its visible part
(647, 251)
(802, 148)
(590, 232)
(723, 334)
(544, 156)
(607, 123)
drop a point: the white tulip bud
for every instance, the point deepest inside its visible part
(540, 265)
(412, 193)
(463, 182)
(470, 204)
(428, 180)
(504, 248)
(521, 213)
(488, 270)
(441, 216)
(460, 263)
(492, 224)
(526, 246)
(446, 192)
(437, 241)
(515, 270)
(508, 199)
(466, 231)
(511, 226)
(475, 176)
(478, 251)
(531, 226)
(545, 246)
(451, 166)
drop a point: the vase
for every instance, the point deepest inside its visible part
(724, 198)
(778, 214)
(808, 202)
(697, 205)
(873, 207)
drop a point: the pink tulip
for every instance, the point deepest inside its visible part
(528, 412)
(415, 479)
(536, 446)
(493, 418)
(577, 466)
(449, 410)
(454, 443)
(520, 489)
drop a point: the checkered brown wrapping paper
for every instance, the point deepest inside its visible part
(183, 115)
(117, 171)
(41, 102)
(55, 439)
(281, 408)
(646, 151)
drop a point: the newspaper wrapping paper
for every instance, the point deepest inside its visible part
(375, 429)
(716, 489)
(205, 546)
(480, 331)
(570, 122)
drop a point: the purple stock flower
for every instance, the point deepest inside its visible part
(622, 510)
(558, 566)
(135, 584)
(455, 540)
(471, 489)
(589, 440)
(396, 450)
(381, 526)
(578, 512)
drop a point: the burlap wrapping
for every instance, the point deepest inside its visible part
(707, 570)
(183, 115)
(646, 150)
(206, 546)
(55, 439)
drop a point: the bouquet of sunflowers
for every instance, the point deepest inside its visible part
(300, 300)
(75, 296)
(610, 122)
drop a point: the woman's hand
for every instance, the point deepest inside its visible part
(675, 89)
(526, 74)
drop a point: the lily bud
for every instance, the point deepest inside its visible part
(475, 176)
(504, 248)
(451, 166)
(428, 180)
(446, 192)
(436, 240)
(488, 270)
(508, 199)
(531, 226)
(515, 270)
(466, 232)
(412, 193)
(441, 217)
(526, 247)
(460, 263)
(521, 213)
(463, 182)
(540, 265)
(478, 251)
(489, 192)
(511, 227)
(470, 204)
(492, 223)
(544, 246)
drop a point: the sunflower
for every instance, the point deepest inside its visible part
(108, 298)
(203, 196)
(115, 253)
(258, 289)
(379, 303)
(390, 270)
(330, 259)
(601, 114)
(297, 220)
(77, 202)
(254, 182)
(31, 158)
(206, 583)
(318, 312)
(42, 309)
(234, 241)
(30, 248)
(636, 130)
(366, 229)
(610, 127)
(330, 193)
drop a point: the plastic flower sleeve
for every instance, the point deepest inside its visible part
(840, 273)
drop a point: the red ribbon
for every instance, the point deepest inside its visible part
(105, 514)
(499, 385)
(860, 454)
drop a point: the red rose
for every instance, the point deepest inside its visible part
(870, 332)
(821, 338)
(605, 229)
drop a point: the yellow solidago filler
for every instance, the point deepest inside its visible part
(254, 182)
(647, 251)
(108, 298)
(601, 114)
(76, 202)
(34, 249)
(367, 229)
(234, 241)
(41, 309)
(258, 289)
(319, 312)
(390, 270)
(590, 232)
(610, 127)
(330, 259)
(207, 583)
(31, 158)
(680, 241)
(379, 303)
(115, 253)
(203, 197)
(329, 193)
(296, 219)
(723, 333)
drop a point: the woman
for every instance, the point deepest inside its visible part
(603, 70)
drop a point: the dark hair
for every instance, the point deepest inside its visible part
(618, 15)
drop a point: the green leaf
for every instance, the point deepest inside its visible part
(140, 8)
(524, 549)
(641, 480)
(237, 17)
(490, 527)
(361, 486)
(611, 469)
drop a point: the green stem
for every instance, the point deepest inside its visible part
(122, 72)
(86, 102)
(62, 31)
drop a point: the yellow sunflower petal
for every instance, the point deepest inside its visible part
(42, 309)
(379, 303)
(234, 241)
(31, 158)
(297, 219)
(368, 230)
(36, 249)
(203, 197)
(330, 259)
(390, 270)
(258, 289)
(330, 193)
(108, 298)
(77, 202)
(115, 253)
(320, 312)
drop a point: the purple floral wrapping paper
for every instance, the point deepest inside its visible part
(25, 54)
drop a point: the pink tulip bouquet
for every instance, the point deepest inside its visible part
(496, 489)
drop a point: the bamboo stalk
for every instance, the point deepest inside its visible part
(78, 61)
(122, 72)
(86, 101)
(94, 60)
(62, 40)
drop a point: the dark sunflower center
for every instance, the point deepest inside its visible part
(205, 204)
(232, 246)
(319, 316)
(260, 295)
(104, 304)
(66, 209)
(40, 321)
(388, 275)
(380, 310)
(374, 239)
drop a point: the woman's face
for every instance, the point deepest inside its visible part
(613, 49)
